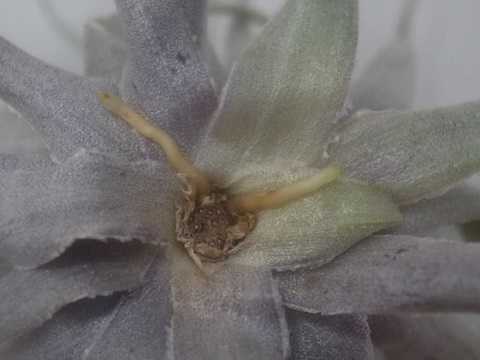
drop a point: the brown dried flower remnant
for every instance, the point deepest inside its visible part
(211, 223)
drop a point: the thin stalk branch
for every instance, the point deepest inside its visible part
(177, 160)
(259, 201)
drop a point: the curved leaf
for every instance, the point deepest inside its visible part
(329, 337)
(133, 326)
(414, 155)
(420, 337)
(88, 269)
(166, 77)
(386, 274)
(284, 94)
(89, 196)
(235, 313)
(64, 108)
(67, 334)
(315, 229)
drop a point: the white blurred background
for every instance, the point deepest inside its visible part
(446, 36)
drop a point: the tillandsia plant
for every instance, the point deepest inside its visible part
(92, 268)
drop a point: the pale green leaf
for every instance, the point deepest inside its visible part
(285, 93)
(234, 313)
(413, 155)
(317, 228)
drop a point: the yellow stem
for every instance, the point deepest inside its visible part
(259, 201)
(177, 160)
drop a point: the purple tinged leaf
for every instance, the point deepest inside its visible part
(86, 270)
(166, 77)
(64, 108)
(329, 337)
(413, 154)
(89, 196)
(386, 274)
(235, 313)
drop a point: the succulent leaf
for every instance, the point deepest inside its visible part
(86, 270)
(90, 196)
(386, 274)
(283, 96)
(316, 228)
(329, 337)
(235, 313)
(412, 154)
(166, 77)
(63, 108)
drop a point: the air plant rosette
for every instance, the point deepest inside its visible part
(108, 255)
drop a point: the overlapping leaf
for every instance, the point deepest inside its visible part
(329, 337)
(413, 155)
(314, 229)
(387, 274)
(233, 314)
(283, 96)
(87, 270)
(166, 77)
(64, 109)
(89, 196)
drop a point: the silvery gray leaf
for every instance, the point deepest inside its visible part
(388, 82)
(329, 337)
(414, 155)
(88, 269)
(67, 335)
(28, 161)
(139, 328)
(385, 274)
(64, 108)
(235, 313)
(436, 336)
(166, 77)
(16, 135)
(136, 326)
(5, 268)
(105, 48)
(282, 97)
(89, 196)
(458, 206)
